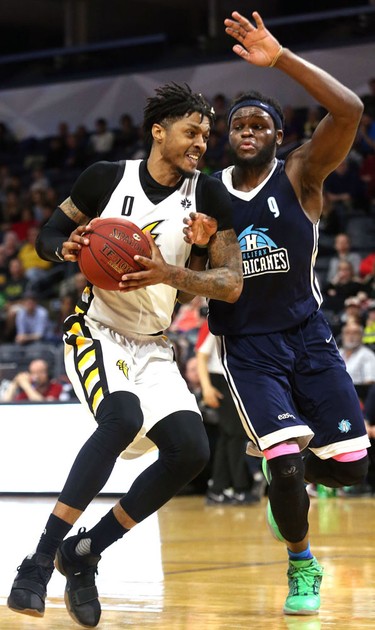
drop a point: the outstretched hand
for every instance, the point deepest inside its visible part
(256, 44)
(199, 228)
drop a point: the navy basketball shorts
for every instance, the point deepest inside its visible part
(294, 385)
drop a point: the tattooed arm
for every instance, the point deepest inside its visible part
(61, 237)
(222, 281)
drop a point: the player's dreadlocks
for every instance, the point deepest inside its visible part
(173, 101)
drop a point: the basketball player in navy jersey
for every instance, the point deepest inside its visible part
(120, 363)
(281, 361)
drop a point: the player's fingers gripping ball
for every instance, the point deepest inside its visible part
(110, 254)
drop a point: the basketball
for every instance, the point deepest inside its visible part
(113, 244)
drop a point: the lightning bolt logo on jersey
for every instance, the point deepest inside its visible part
(280, 288)
(260, 254)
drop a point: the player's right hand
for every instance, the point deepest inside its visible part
(79, 238)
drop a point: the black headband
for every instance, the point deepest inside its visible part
(253, 102)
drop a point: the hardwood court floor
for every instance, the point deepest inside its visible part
(193, 567)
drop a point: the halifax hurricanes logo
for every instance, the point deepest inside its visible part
(260, 254)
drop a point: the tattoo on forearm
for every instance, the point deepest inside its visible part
(72, 212)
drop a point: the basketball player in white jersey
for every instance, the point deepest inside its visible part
(117, 357)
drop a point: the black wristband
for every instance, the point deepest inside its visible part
(52, 236)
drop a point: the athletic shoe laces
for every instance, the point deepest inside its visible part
(304, 580)
(32, 570)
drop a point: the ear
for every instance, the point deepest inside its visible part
(279, 137)
(158, 132)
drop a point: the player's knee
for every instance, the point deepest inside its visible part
(348, 473)
(182, 442)
(119, 419)
(286, 470)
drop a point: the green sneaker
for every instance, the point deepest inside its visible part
(304, 579)
(270, 519)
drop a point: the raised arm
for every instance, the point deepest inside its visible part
(309, 165)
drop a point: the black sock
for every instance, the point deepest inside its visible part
(55, 531)
(104, 533)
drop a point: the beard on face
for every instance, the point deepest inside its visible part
(264, 156)
(185, 174)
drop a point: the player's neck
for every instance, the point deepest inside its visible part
(246, 178)
(162, 172)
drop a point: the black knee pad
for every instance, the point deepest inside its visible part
(119, 419)
(182, 442)
(288, 497)
(286, 468)
(348, 473)
(335, 474)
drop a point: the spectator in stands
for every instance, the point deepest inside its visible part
(220, 105)
(55, 154)
(12, 291)
(62, 131)
(199, 485)
(313, 119)
(359, 359)
(70, 291)
(368, 99)
(292, 132)
(332, 222)
(231, 481)
(367, 267)
(369, 330)
(343, 285)
(16, 283)
(3, 267)
(187, 322)
(35, 268)
(35, 385)
(39, 179)
(26, 221)
(352, 312)
(345, 188)
(369, 285)
(102, 140)
(76, 156)
(367, 175)
(342, 246)
(364, 143)
(11, 209)
(126, 137)
(32, 321)
(11, 245)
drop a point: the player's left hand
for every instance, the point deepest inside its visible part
(156, 270)
(256, 44)
(199, 228)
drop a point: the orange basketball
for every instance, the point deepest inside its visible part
(113, 244)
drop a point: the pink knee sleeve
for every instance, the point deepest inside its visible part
(350, 457)
(280, 449)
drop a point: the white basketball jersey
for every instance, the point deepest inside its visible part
(148, 310)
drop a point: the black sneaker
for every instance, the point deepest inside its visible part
(221, 498)
(244, 498)
(29, 589)
(81, 594)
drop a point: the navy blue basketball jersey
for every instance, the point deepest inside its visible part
(279, 245)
